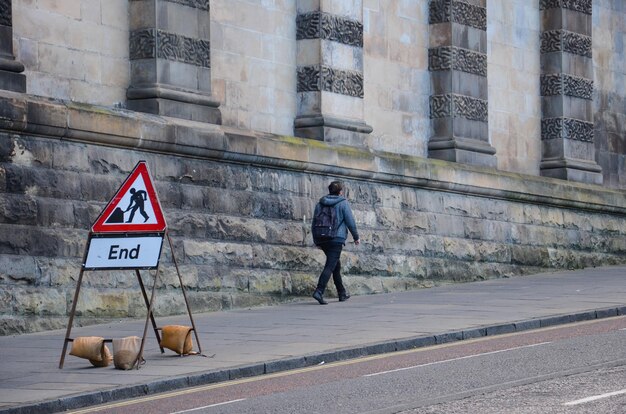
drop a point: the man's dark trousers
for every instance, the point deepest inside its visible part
(332, 250)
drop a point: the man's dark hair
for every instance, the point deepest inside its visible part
(335, 187)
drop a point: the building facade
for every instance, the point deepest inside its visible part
(477, 138)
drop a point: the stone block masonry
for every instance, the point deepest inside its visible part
(235, 203)
(609, 106)
(363, 73)
(11, 77)
(457, 59)
(567, 128)
(330, 72)
(170, 60)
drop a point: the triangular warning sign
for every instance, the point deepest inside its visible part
(135, 208)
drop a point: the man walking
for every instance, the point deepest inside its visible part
(331, 221)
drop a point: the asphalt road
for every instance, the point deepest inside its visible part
(530, 372)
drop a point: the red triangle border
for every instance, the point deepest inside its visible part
(160, 226)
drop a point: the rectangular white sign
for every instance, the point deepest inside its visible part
(137, 252)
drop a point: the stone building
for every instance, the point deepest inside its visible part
(477, 138)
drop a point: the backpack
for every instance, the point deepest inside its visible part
(324, 226)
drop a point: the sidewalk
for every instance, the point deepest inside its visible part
(263, 340)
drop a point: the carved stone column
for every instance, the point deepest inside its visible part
(11, 77)
(330, 71)
(568, 150)
(457, 59)
(170, 59)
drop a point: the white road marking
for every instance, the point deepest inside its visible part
(455, 359)
(594, 398)
(209, 406)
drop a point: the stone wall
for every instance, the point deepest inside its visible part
(78, 50)
(514, 101)
(238, 196)
(74, 49)
(397, 81)
(253, 52)
(236, 202)
(609, 38)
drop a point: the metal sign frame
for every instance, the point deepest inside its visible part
(134, 231)
(149, 305)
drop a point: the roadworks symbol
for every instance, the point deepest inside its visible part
(134, 208)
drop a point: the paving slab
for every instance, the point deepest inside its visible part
(261, 340)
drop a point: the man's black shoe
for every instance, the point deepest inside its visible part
(344, 297)
(317, 295)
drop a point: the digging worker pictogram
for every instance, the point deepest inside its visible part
(136, 202)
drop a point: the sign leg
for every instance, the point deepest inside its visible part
(71, 321)
(182, 287)
(145, 328)
(145, 298)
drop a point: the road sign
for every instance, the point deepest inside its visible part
(135, 208)
(129, 234)
(126, 252)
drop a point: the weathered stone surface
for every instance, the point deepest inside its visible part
(11, 326)
(530, 256)
(169, 303)
(42, 302)
(18, 209)
(274, 283)
(492, 252)
(460, 249)
(399, 265)
(101, 303)
(285, 257)
(291, 234)
(3, 181)
(208, 301)
(395, 284)
(303, 284)
(61, 272)
(240, 235)
(6, 147)
(20, 270)
(237, 228)
(372, 264)
(246, 301)
(217, 253)
(6, 302)
(360, 285)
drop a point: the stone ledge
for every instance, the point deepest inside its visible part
(20, 113)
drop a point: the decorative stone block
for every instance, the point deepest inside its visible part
(567, 127)
(458, 106)
(564, 41)
(11, 77)
(171, 60)
(330, 73)
(562, 84)
(324, 78)
(457, 61)
(455, 58)
(318, 25)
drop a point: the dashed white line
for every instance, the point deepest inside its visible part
(595, 398)
(454, 359)
(208, 406)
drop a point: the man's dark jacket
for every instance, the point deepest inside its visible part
(344, 215)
